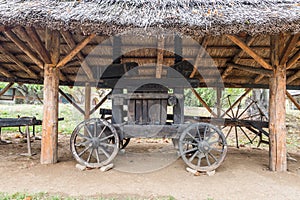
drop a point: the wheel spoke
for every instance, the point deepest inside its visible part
(82, 144)
(193, 156)
(214, 157)
(81, 153)
(97, 155)
(108, 145)
(218, 150)
(83, 136)
(102, 131)
(188, 133)
(88, 131)
(199, 160)
(95, 129)
(90, 155)
(105, 138)
(189, 142)
(228, 132)
(213, 142)
(190, 150)
(207, 160)
(104, 151)
(199, 133)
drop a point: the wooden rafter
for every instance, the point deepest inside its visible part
(100, 103)
(249, 51)
(160, 56)
(251, 69)
(289, 48)
(293, 100)
(200, 54)
(20, 64)
(38, 45)
(293, 77)
(6, 73)
(203, 102)
(13, 37)
(6, 88)
(71, 43)
(75, 50)
(293, 60)
(236, 58)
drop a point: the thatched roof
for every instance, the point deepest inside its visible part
(192, 17)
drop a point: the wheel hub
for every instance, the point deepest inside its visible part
(95, 142)
(203, 146)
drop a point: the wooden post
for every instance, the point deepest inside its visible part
(219, 101)
(87, 106)
(50, 112)
(277, 127)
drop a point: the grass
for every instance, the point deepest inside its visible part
(46, 196)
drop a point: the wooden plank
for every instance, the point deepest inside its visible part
(145, 111)
(293, 77)
(249, 51)
(75, 50)
(38, 45)
(199, 56)
(277, 127)
(6, 88)
(71, 101)
(160, 56)
(138, 111)
(293, 100)
(131, 111)
(203, 102)
(49, 146)
(254, 70)
(87, 101)
(71, 43)
(6, 73)
(293, 60)
(289, 48)
(21, 65)
(24, 48)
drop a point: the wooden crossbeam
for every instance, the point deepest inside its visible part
(249, 51)
(293, 77)
(200, 54)
(289, 48)
(6, 73)
(293, 100)
(75, 50)
(255, 70)
(71, 101)
(236, 58)
(20, 64)
(13, 37)
(6, 88)
(71, 43)
(203, 102)
(100, 103)
(160, 56)
(38, 45)
(293, 60)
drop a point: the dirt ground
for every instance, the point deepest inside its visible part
(148, 169)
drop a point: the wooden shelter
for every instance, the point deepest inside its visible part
(254, 44)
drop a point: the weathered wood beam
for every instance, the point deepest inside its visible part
(277, 127)
(249, 51)
(293, 77)
(160, 56)
(254, 70)
(100, 103)
(75, 50)
(236, 58)
(293, 100)
(71, 101)
(87, 102)
(14, 59)
(200, 54)
(6, 73)
(203, 102)
(293, 60)
(71, 43)
(13, 37)
(49, 145)
(6, 88)
(289, 48)
(38, 45)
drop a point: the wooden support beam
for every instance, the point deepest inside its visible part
(289, 48)
(20, 64)
(236, 58)
(160, 56)
(87, 102)
(203, 102)
(6, 73)
(6, 88)
(293, 77)
(249, 51)
(293, 60)
(38, 45)
(293, 100)
(277, 127)
(71, 43)
(254, 70)
(49, 146)
(100, 103)
(200, 54)
(71, 101)
(75, 50)
(13, 37)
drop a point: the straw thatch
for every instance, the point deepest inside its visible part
(193, 17)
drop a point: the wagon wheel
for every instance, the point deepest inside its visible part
(202, 146)
(236, 114)
(94, 143)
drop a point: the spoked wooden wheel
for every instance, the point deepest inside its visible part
(94, 143)
(202, 146)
